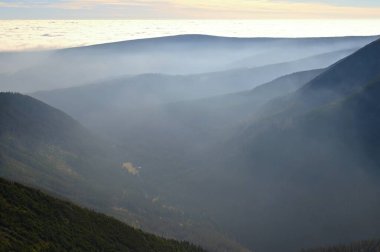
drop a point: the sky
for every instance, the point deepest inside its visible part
(189, 9)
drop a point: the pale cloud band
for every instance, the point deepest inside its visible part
(190, 9)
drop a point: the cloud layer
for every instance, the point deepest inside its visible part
(44, 34)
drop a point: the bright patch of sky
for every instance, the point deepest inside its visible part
(188, 9)
(358, 3)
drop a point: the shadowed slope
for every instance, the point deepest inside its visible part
(317, 152)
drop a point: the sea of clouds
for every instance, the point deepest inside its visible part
(16, 35)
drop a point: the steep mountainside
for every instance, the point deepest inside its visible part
(33, 221)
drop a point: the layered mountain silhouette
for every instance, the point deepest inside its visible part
(184, 54)
(128, 101)
(160, 88)
(218, 159)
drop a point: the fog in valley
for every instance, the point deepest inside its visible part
(261, 144)
(187, 54)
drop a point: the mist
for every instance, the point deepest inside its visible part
(233, 144)
(188, 54)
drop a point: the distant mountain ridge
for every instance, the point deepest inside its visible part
(214, 40)
(133, 96)
(184, 55)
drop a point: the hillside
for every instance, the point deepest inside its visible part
(45, 148)
(352, 79)
(33, 221)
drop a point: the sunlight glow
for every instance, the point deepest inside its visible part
(45, 34)
(187, 9)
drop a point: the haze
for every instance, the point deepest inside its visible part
(209, 133)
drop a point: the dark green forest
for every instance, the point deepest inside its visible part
(362, 246)
(33, 221)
